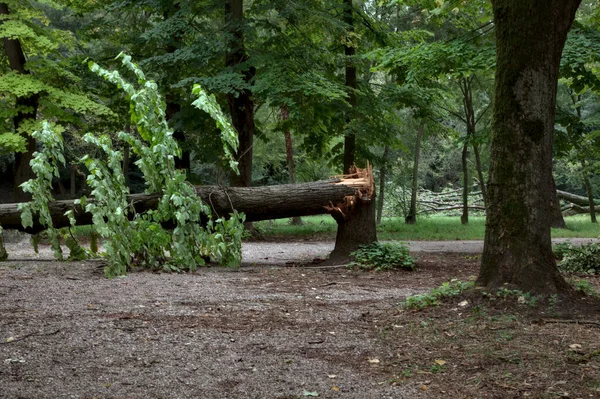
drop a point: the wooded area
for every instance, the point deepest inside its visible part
(420, 90)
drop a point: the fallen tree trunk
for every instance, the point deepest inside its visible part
(574, 198)
(257, 203)
(574, 209)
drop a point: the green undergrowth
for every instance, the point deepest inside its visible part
(455, 288)
(584, 259)
(431, 228)
(128, 238)
(434, 297)
(382, 256)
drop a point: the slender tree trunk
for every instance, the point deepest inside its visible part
(584, 172)
(289, 156)
(3, 253)
(411, 218)
(465, 87)
(464, 218)
(183, 162)
(126, 154)
(530, 36)
(241, 105)
(351, 85)
(172, 106)
(27, 109)
(588, 189)
(382, 177)
(73, 177)
(480, 173)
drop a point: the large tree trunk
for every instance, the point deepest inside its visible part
(258, 203)
(382, 177)
(289, 157)
(355, 219)
(241, 105)
(530, 36)
(411, 218)
(27, 109)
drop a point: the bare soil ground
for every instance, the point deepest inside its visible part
(276, 329)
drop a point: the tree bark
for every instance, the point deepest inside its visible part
(411, 218)
(289, 156)
(241, 105)
(530, 36)
(27, 109)
(258, 203)
(382, 177)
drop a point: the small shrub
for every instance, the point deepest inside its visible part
(383, 256)
(562, 249)
(584, 287)
(446, 290)
(584, 260)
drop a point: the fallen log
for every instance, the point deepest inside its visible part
(257, 203)
(574, 209)
(575, 199)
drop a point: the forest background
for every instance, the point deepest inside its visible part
(311, 86)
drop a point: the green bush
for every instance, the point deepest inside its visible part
(562, 249)
(584, 259)
(433, 298)
(379, 256)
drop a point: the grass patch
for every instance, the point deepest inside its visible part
(431, 228)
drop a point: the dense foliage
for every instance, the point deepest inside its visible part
(383, 256)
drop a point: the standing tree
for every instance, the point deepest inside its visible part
(241, 105)
(530, 36)
(26, 105)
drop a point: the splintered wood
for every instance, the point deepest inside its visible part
(362, 180)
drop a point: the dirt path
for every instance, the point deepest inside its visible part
(269, 330)
(286, 253)
(275, 332)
